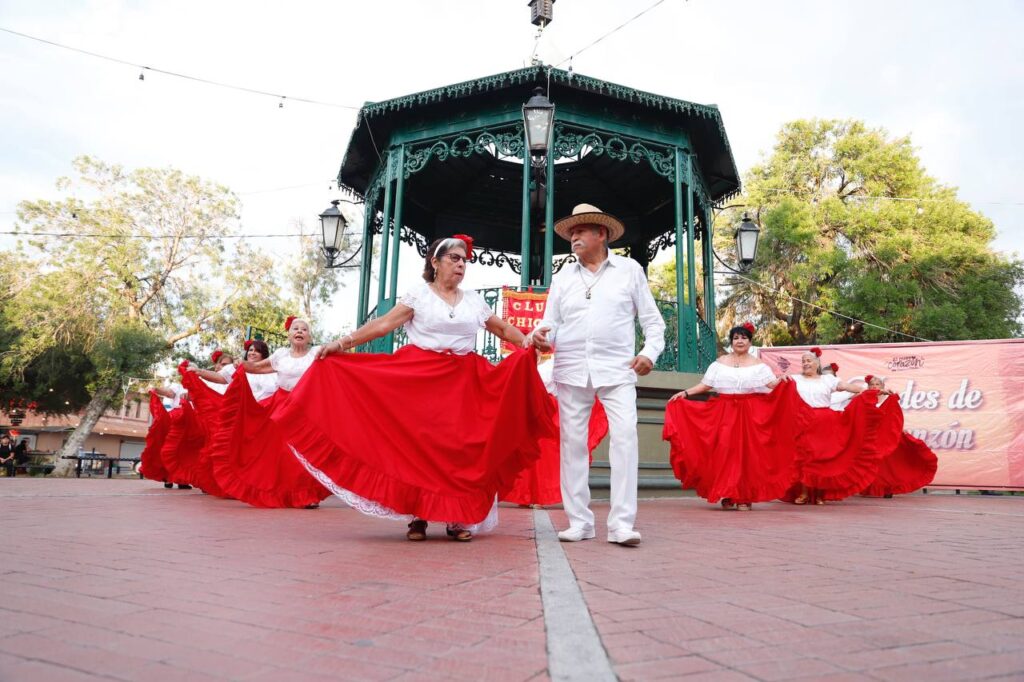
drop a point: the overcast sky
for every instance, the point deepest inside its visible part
(949, 74)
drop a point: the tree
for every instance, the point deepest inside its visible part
(311, 282)
(852, 223)
(142, 266)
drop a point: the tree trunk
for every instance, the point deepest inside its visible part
(94, 410)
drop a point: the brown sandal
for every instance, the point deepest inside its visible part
(417, 531)
(459, 534)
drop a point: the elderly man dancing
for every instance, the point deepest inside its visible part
(589, 321)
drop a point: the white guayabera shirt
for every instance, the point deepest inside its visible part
(594, 336)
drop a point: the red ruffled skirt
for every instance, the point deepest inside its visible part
(184, 440)
(739, 447)
(429, 434)
(908, 463)
(251, 459)
(838, 453)
(152, 466)
(541, 483)
(206, 404)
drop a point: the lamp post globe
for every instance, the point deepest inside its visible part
(332, 228)
(746, 242)
(538, 117)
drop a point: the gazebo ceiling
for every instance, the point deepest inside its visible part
(481, 194)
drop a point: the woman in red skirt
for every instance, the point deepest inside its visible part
(251, 459)
(185, 448)
(541, 483)
(434, 431)
(837, 452)
(152, 465)
(737, 447)
(908, 464)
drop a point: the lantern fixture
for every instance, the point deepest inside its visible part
(542, 12)
(332, 227)
(746, 242)
(538, 117)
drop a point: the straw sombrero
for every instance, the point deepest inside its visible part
(585, 214)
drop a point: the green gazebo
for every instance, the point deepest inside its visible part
(454, 159)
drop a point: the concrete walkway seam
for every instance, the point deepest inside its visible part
(575, 651)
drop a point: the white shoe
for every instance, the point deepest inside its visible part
(629, 538)
(576, 534)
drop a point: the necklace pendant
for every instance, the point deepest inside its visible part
(451, 314)
(587, 294)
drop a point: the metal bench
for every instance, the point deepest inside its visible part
(111, 462)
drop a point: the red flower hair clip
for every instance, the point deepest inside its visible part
(835, 368)
(868, 378)
(183, 367)
(816, 351)
(468, 241)
(749, 326)
(248, 344)
(216, 355)
(288, 323)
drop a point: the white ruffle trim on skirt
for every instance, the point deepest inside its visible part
(371, 508)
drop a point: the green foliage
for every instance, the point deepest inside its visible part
(837, 233)
(102, 304)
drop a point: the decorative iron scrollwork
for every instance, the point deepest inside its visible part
(570, 143)
(415, 239)
(487, 257)
(503, 142)
(562, 262)
(664, 241)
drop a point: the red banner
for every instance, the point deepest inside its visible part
(965, 399)
(523, 310)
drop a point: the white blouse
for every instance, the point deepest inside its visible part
(227, 371)
(263, 385)
(290, 369)
(816, 392)
(437, 326)
(731, 380)
(179, 392)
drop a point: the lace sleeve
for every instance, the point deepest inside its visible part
(412, 297)
(483, 311)
(711, 376)
(765, 374)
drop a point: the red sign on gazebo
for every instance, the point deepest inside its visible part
(523, 310)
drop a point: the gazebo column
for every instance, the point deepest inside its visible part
(707, 244)
(524, 246)
(549, 218)
(366, 259)
(677, 192)
(685, 321)
(691, 266)
(385, 239)
(397, 239)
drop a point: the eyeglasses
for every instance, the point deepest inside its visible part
(455, 258)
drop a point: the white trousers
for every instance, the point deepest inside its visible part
(574, 406)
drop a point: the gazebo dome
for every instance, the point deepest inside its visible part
(454, 160)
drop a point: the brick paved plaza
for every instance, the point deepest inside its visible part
(124, 580)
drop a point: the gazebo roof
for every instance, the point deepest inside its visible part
(703, 121)
(480, 194)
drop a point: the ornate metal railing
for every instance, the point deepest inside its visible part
(707, 344)
(489, 346)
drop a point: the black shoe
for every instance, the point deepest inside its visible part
(168, 485)
(184, 486)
